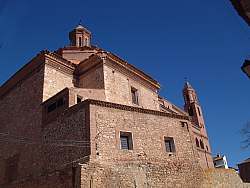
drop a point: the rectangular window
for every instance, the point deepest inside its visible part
(80, 41)
(126, 140)
(79, 99)
(134, 93)
(11, 171)
(169, 144)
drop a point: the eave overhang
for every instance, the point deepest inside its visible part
(242, 9)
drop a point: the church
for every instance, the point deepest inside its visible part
(83, 117)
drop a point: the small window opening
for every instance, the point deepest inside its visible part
(207, 148)
(187, 97)
(79, 99)
(80, 41)
(126, 140)
(201, 144)
(197, 142)
(183, 123)
(86, 42)
(134, 93)
(169, 144)
(190, 111)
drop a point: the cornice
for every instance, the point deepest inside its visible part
(105, 104)
(133, 69)
(59, 65)
(133, 109)
(201, 135)
(203, 150)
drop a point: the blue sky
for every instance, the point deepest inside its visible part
(205, 41)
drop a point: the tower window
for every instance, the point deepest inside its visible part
(201, 144)
(86, 41)
(134, 93)
(199, 111)
(187, 96)
(169, 144)
(207, 148)
(126, 140)
(197, 142)
(80, 41)
(190, 111)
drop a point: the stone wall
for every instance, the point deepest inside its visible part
(97, 94)
(156, 176)
(92, 79)
(118, 89)
(67, 137)
(220, 178)
(140, 175)
(55, 81)
(148, 163)
(148, 132)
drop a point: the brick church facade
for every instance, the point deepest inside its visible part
(84, 117)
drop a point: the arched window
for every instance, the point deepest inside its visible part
(201, 144)
(207, 148)
(197, 142)
(190, 111)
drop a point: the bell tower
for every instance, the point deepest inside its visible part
(192, 106)
(80, 37)
(198, 128)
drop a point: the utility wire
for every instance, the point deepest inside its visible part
(6, 137)
(56, 169)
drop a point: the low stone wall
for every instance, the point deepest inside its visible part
(155, 176)
(221, 178)
(137, 176)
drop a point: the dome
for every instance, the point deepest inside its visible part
(80, 27)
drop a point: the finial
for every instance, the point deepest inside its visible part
(186, 79)
(187, 84)
(80, 22)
